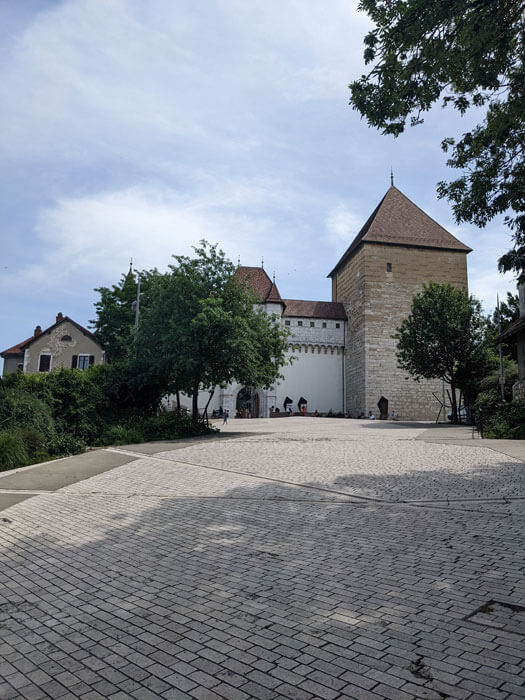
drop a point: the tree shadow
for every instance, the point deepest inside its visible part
(270, 589)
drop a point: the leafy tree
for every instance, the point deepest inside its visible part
(508, 311)
(443, 338)
(470, 54)
(203, 328)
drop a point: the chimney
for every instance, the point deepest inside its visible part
(38, 330)
(59, 316)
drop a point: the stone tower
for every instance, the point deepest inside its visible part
(398, 249)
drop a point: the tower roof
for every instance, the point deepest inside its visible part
(398, 221)
(259, 282)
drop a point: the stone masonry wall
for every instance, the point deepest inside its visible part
(385, 299)
(348, 287)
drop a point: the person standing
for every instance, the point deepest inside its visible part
(225, 417)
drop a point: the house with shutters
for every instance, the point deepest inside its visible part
(64, 344)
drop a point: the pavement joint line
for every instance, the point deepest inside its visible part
(175, 497)
(28, 491)
(262, 478)
(369, 499)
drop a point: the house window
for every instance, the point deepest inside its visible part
(389, 267)
(44, 363)
(66, 338)
(324, 324)
(287, 323)
(312, 324)
(338, 325)
(299, 323)
(83, 361)
(20, 366)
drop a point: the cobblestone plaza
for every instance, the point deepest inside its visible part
(293, 558)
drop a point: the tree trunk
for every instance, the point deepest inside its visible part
(195, 400)
(205, 414)
(177, 396)
(454, 403)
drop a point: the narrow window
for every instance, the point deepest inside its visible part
(83, 362)
(324, 324)
(299, 323)
(312, 324)
(287, 323)
(44, 363)
(389, 267)
(20, 366)
(337, 325)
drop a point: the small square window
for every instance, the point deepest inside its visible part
(20, 366)
(299, 323)
(287, 323)
(324, 324)
(389, 267)
(337, 325)
(312, 324)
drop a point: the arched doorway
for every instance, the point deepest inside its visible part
(247, 403)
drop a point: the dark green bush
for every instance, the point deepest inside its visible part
(173, 425)
(13, 453)
(64, 444)
(501, 420)
(121, 435)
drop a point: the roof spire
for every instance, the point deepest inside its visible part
(262, 262)
(238, 261)
(391, 177)
(130, 266)
(274, 276)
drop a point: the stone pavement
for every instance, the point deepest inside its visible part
(300, 558)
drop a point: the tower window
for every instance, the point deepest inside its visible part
(287, 323)
(389, 267)
(324, 324)
(312, 324)
(299, 323)
(338, 325)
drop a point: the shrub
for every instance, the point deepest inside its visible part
(121, 435)
(505, 421)
(13, 453)
(173, 425)
(64, 444)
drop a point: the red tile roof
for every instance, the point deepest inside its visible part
(20, 347)
(257, 279)
(16, 349)
(398, 221)
(315, 309)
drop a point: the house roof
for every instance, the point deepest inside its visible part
(512, 330)
(16, 349)
(398, 221)
(257, 279)
(315, 309)
(20, 347)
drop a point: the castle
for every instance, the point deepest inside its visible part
(344, 350)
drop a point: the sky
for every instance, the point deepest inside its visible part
(133, 129)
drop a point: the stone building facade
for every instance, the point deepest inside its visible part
(343, 350)
(64, 344)
(398, 250)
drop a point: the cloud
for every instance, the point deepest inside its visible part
(342, 225)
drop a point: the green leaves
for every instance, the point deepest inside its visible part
(444, 337)
(469, 53)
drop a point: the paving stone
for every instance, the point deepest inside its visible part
(178, 576)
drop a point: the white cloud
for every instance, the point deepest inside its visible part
(342, 225)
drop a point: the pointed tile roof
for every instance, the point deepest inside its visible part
(398, 221)
(257, 279)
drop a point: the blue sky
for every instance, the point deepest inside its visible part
(134, 129)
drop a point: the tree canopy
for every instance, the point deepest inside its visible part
(468, 54)
(443, 338)
(199, 327)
